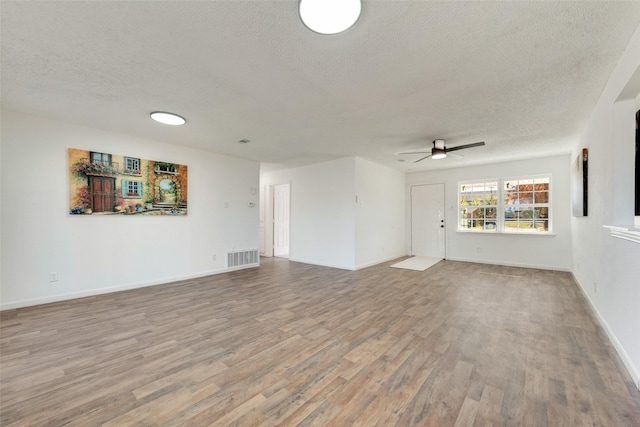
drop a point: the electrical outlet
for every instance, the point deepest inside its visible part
(214, 257)
(53, 277)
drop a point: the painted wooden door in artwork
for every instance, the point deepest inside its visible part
(427, 220)
(102, 193)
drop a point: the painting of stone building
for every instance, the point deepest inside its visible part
(112, 184)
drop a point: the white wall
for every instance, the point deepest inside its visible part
(608, 269)
(548, 252)
(95, 254)
(328, 226)
(322, 229)
(380, 213)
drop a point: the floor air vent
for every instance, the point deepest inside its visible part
(242, 258)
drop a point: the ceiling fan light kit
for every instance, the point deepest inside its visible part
(439, 151)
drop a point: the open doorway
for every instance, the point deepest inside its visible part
(281, 220)
(275, 208)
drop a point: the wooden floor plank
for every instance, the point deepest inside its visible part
(290, 344)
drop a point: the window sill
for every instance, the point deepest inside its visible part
(503, 233)
(625, 232)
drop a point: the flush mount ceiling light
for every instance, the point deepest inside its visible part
(329, 16)
(168, 118)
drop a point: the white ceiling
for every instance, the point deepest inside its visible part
(522, 76)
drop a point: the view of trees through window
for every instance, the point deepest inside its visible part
(506, 205)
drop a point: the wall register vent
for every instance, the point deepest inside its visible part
(242, 258)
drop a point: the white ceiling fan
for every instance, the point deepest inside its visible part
(439, 151)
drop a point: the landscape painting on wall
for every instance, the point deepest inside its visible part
(112, 184)
(580, 183)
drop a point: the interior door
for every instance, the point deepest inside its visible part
(102, 193)
(427, 220)
(263, 234)
(281, 195)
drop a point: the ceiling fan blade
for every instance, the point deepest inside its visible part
(460, 147)
(425, 157)
(416, 152)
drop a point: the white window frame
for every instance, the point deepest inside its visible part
(501, 207)
(489, 224)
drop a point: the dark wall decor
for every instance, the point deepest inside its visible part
(580, 181)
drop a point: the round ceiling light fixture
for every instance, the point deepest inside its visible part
(329, 16)
(168, 118)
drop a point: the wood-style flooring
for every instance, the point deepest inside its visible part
(290, 344)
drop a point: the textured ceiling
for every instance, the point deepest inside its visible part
(522, 76)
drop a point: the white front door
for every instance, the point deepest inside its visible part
(427, 220)
(281, 220)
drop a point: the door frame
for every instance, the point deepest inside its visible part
(288, 222)
(444, 212)
(268, 207)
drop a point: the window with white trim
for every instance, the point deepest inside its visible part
(479, 206)
(506, 205)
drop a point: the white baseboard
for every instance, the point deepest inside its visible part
(628, 363)
(110, 289)
(511, 264)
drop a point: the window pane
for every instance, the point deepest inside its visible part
(542, 212)
(491, 186)
(525, 226)
(511, 225)
(509, 212)
(490, 225)
(491, 213)
(525, 213)
(479, 199)
(525, 194)
(541, 183)
(478, 213)
(492, 198)
(510, 192)
(542, 226)
(541, 197)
